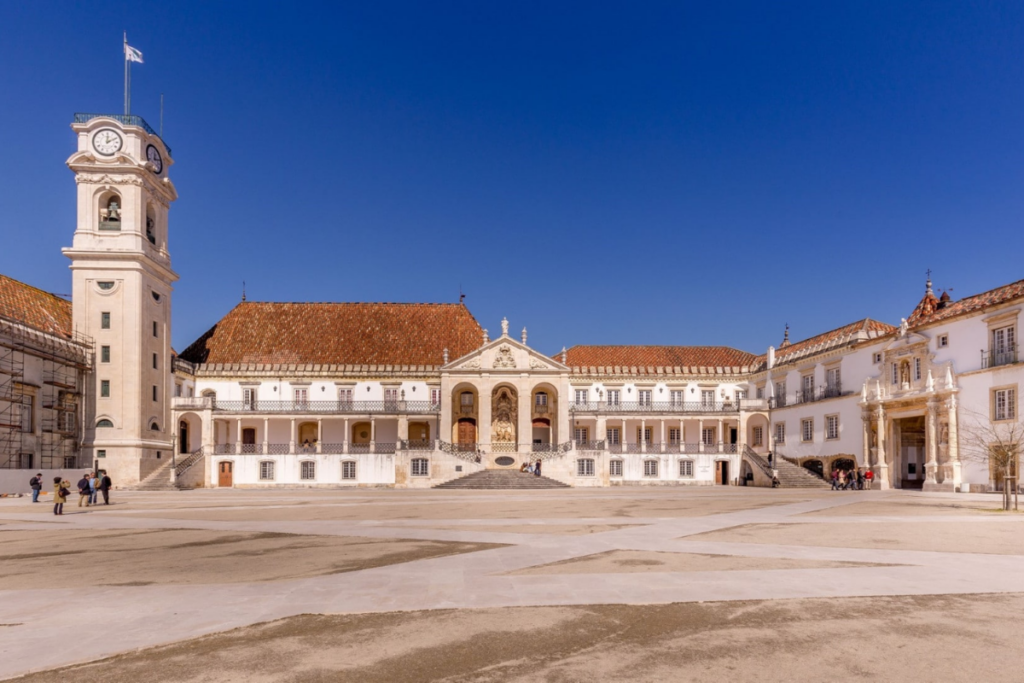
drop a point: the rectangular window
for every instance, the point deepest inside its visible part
(943, 341)
(249, 400)
(613, 397)
(878, 358)
(917, 368)
(615, 468)
(105, 321)
(832, 379)
(807, 382)
(70, 462)
(685, 468)
(895, 374)
(26, 415)
(741, 394)
(435, 397)
(707, 398)
(420, 467)
(708, 436)
(613, 436)
(674, 436)
(644, 396)
(266, 470)
(1005, 404)
(300, 397)
(758, 436)
(104, 354)
(584, 467)
(648, 433)
(348, 469)
(154, 392)
(307, 470)
(1002, 340)
(582, 397)
(177, 390)
(677, 398)
(807, 429)
(650, 468)
(154, 362)
(154, 329)
(104, 388)
(540, 399)
(345, 397)
(831, 426)
(780, 433)
(780, 394)
(102, 453)
(391, 397)
(582, 434)
(760, 392)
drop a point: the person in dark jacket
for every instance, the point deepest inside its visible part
(536, 469)
(105, 486)
(84, 492)
(36, 484)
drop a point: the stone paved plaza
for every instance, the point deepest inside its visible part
(621, 584)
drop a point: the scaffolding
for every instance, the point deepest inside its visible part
(60, 400)
(12, 368)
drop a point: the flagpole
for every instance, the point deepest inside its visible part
(125, 51)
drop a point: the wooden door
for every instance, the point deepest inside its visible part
(183, 437)
(249, 436)
(722, 472)
(226, 478)
(467, 432)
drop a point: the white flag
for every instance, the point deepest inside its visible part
(131, 54)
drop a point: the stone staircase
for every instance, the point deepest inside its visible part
(158, 480)
(792, 476)
(502, 479)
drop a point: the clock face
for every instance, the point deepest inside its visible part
(153, 155)
(107, 142)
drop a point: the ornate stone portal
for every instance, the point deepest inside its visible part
(503, 422)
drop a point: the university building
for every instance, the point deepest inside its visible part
(416, 395)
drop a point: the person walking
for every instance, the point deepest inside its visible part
(869, 477)
(835, 479)
(94, 482)
(36, 484)
(105, 486)
(61, 490)
(83, 490)
(860, 480)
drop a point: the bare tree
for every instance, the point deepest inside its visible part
(996, 443)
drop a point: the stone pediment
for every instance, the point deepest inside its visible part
(905, 342)
(504, 354)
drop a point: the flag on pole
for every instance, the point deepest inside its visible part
(131, 54)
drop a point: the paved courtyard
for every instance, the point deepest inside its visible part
(564, 585)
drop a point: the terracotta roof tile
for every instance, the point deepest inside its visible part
(927, 310)
(857, 331)
(651, 357)
(34, 307)
(338, 334)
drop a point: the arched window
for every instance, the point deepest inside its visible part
(155, 426)
(110, 211)
(104, 424)
(150, 224)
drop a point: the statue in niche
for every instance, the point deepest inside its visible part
(150, 229)
(944, 432)
(503, 424)
(905, 374)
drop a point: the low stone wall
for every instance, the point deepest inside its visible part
(16, 481)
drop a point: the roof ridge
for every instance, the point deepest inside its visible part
(861, 323)
(38, 289)
(353, 303)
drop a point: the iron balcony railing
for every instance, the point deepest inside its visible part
(1002, 356)
(125, 120)
(590, 445)
(828, 391)
(306, 407)
(647, 407)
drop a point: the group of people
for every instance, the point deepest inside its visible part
(90, 487)
(851, 480)
(531, 467)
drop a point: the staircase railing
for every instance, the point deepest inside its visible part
(460, 451)
(187, 464)
(759, 461)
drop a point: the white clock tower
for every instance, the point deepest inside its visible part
(121, 292)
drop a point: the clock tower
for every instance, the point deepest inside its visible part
(121, 292)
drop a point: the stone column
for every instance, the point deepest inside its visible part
(373, 434)
(483, 428)
(524, 423)
(293, 437)
(266, 435)
(931, 443)
(403, 427)
(344, 438)
(865, 421)
(643, 435)
(882, 468)
(319, 435)
(953, 443)
(238, 434)
(602, 430)
(720, 435)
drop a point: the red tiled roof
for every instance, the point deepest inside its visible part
(338, 334)
(928, 311)
(657, 356)
(34, 307)
(856, 331)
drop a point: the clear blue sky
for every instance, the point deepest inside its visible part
(664, 173)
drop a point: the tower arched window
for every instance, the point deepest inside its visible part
(111, 209)
(104, 424)
(150, 224)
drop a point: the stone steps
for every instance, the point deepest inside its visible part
(502, 479)
(158, 480)
(795, 477)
